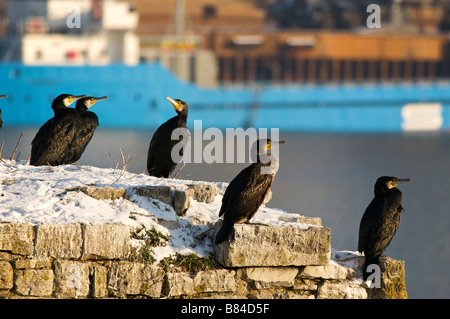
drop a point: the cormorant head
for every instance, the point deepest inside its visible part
(263, 150)
(179, 105)
(264, 146)
(385, 183)
(64, 100)
(85, 103)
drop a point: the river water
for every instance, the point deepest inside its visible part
(329, 176)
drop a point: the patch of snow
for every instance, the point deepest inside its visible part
(44, 195)
(278, 217)
(350, 259)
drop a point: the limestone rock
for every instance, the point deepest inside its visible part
(310, 220)
(108, 241)
(162, 193)
(261, 245)
(203, 192)
(294, 218)
(185, 283)
(219, 280)
(99, 281)
(98, 192)
(6, 275)
(340, 290)
(58, 241)
(305, 285)
(279, 294)
(126, 278)
(32, 264)
(34, 282)
(71, 279)
(267, 277)
(17, 238)
(33, 277)
(392, 283)
(178, 284)
(200, 192)
(181, 200)
(6, 256)
(330, 271)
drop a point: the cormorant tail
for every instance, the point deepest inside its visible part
(224, 231)
(367, 262)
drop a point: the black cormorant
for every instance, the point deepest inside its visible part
(159, 158)
(85, 129)
(51, 141)
(380, 220)
(1, 121)
(248, 190)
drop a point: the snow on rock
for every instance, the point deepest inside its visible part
(49, 195)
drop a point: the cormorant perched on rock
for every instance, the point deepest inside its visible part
(85, 129)
(159, 159)
(51, 141)
(1, 121)
(380, 220)
(248, 190)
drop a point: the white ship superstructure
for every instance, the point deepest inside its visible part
(71, 32)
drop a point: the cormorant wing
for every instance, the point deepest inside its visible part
(162, 134)
(82, 136)
(53, 141)
(245, 194)
(390, 224)
(159, 158)
(368, 223)
(378, 226)
(43, 134)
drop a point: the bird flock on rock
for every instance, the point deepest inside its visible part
(64, 138)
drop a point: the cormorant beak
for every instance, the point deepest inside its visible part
(3, 96)
(94, 100)
(73, 98)
(274, 143)
(174, 103)
(392, 184)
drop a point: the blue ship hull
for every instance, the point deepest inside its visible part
(136, 99)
